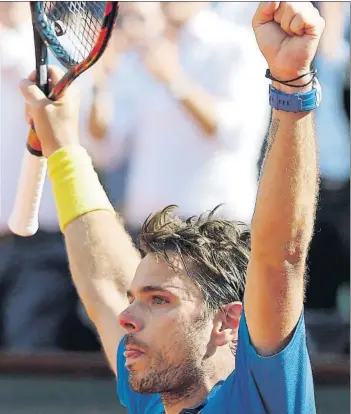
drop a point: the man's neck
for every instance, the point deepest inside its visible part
(193, 396)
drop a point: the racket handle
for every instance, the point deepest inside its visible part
(24, 218)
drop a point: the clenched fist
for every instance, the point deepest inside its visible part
(288, 34)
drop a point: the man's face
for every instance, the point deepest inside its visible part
(14, 13)
(141, 22)
(165, 322)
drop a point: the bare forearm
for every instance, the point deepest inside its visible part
(102, 258)
(100, 114)
(200, 105)
(285, 209)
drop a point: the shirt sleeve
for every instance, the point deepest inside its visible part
(281, 383)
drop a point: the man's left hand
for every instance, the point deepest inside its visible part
(288, 34)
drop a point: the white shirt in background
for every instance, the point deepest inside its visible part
(172, 161)
(17, 61)
(239, 13)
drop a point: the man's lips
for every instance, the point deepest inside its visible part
(132, 354)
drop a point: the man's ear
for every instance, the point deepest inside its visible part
(226, 324)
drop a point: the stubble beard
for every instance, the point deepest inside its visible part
(166, 378)
(173, 381)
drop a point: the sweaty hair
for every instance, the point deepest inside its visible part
(214, 252)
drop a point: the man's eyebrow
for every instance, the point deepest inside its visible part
(149, 289)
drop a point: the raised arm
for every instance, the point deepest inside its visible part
(282, 226)
(103, 261)
(102, 257)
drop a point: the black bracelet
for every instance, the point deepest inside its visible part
(313, 72)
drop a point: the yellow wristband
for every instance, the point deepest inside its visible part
(75, 184)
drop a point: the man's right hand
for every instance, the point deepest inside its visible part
(56, 122)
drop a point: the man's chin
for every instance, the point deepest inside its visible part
(139, 383)
(136, 363)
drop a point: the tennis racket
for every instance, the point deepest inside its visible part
(77, 33)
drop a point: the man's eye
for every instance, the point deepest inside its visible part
(157, 300)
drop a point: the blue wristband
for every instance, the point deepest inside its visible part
(296, 102)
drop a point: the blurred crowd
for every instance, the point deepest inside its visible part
(175, 112)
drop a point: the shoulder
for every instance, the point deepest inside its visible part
(296, 343)
(282, 381)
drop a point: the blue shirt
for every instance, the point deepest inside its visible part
(279, 384)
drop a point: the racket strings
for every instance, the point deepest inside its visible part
(77, 25)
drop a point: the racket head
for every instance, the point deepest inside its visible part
(77, 32)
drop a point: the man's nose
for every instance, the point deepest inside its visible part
(129, 322)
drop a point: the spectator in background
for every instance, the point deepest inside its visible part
(238, 12)
(330, 249)
(194, 124)
(37, 299)
(332, 123)
(109, 75)
(35, 289)
(131, 29)
(97, 119)
(327, 296)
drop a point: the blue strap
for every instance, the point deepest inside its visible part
(296, 102)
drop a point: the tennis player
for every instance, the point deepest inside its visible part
(200, 323)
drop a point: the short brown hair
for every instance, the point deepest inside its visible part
(219, 250)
